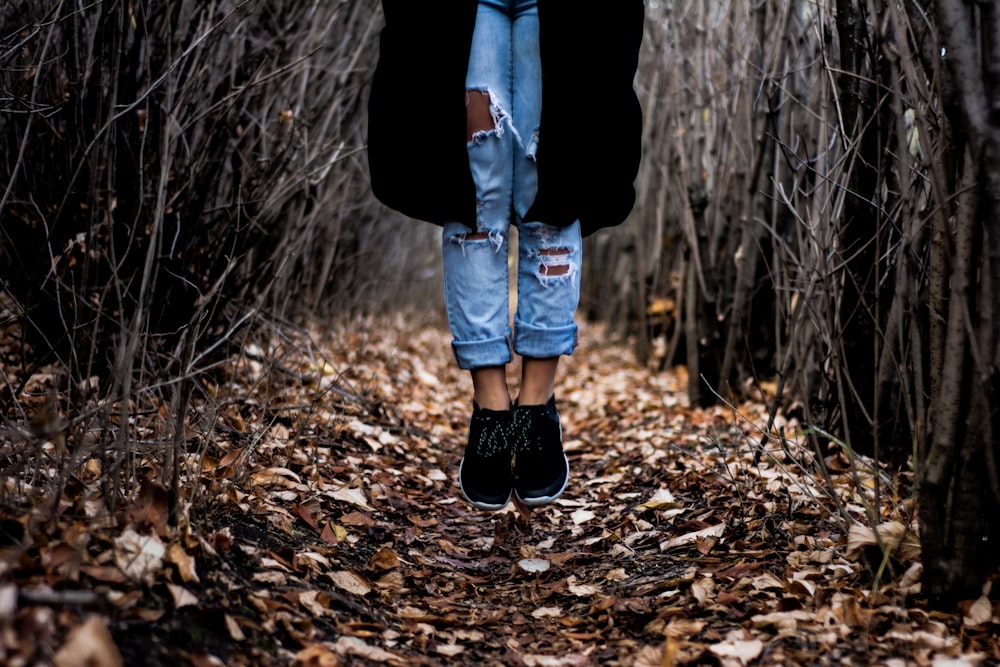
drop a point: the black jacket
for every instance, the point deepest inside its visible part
(588, 153)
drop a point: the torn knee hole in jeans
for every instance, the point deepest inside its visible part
(494, 239)
(482, 115)
(554, 262)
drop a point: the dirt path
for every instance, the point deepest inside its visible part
(328, 529)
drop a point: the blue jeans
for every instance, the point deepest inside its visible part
(505, 65)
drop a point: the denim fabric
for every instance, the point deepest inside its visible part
(505, 64)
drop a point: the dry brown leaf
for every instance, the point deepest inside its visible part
(449, 650)
(350, 582)
(234, 629)
(271, 577)
(703, 589)
(581, 590)
(533, 565)
(384, 559)
(664, 502)
(547, 612)
(652, 656)
(277, 476)
(88, 645)
(689, 538)
(332, 534)
(683, 628)
(139, 557)
(151, 510)
(391, 581)
(313, 561)
(353, 646)
(349, 495)
(909, 583)
(307, 512)
(206, 660)
(787, 622)
(767, 580)
(182, 597)
(184, 562)
(736, 650)
(312, 601)
(979, 613)
(705, 545)
(565, 660)
(316, 656)
(359, 519)
(900, 540)
(8, 601)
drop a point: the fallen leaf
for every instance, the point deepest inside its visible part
(358, 648)
(310, 600)
(664, 500)
(898, 539)
(566, 660)
(316, 656)
(583, 590)
(449, 650)
(271, 578)
(151, 509)
(689, 538)
(384, 559)
(307, 514)
(533, 565)
(88, 645)
(703, 589)
(351, 496)
(182, 597)
(733, 652)
(330, 535)
(359, 519)
(767, 581)
(652, 656)
(351, 582)
(8, 601)
(313, 561)
(234, 629)
(139, 557)
(683, 628)
(184, 562)
(979, 613)
(544, 612)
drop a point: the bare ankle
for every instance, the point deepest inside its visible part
(490, 388)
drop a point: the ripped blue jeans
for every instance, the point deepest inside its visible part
(505, 66)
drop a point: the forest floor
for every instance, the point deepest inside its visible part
(321, 524)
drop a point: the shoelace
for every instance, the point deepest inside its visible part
(521, 426)
(492, 436)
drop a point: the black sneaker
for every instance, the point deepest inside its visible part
(541, 469)
(485, 472)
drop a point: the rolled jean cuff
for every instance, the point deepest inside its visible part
(544, 343)
(472, 354)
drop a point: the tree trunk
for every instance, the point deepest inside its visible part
(959, 490)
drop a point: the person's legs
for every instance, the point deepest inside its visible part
(548, 287)
(548, 273)
(475, 263)
(548, 293)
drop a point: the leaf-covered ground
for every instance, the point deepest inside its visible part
(322, 525)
